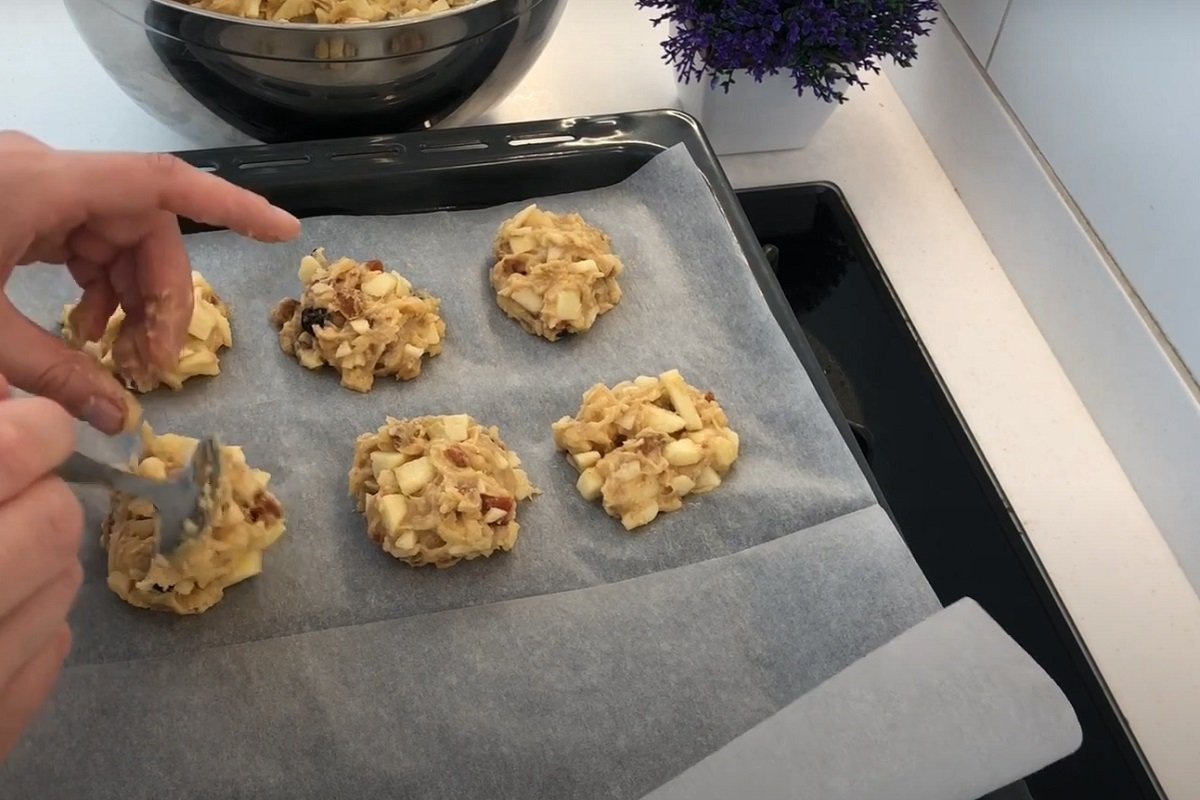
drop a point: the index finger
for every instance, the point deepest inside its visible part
(129, 184)
(36, 435)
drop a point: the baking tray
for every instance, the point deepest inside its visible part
(465, 168)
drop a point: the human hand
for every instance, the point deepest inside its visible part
(40, 529)
(111, 218)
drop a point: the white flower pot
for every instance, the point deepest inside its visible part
(755, 117)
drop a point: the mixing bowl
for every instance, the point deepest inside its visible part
(201, 72)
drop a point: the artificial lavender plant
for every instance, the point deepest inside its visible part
(822, 44)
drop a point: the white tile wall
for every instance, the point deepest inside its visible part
(1109, 90)
(978, 21)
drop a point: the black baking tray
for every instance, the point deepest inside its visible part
(486, 166)
(450, 170)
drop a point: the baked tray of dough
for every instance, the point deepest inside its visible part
(585, 655)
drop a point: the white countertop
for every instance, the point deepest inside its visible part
(1121, 584)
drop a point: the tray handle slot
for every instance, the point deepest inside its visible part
(527, 141)
(387, 153)
(274, 162)
(452, 147)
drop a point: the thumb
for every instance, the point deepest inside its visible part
(39, 362)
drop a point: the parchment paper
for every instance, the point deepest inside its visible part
(854, 737)
(589, 661)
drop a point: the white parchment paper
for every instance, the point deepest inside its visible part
(951, 709)
(589, 662)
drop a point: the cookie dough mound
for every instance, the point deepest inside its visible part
(643, 445)
(360, 319)
(244, 520)
(208, 333)
(328, 11)
(554, 273)
(437, 490)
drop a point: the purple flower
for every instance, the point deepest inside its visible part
(821, 44)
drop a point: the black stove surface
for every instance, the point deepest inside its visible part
(935, 482)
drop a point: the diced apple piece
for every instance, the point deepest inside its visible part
(494, 515)
(393, 508)
(725, 451)
(585, 460)
(407, 541)
(567, 305)
(682, 453)
(589, 484)
(455, 427)
(644, 381)
(360, 325)
(412, 351)
(249, 566)
(310, 359)
(308, 268)
(403, 286)
(202, 322)
(413, 475)
(683, 404)
(641, 516)
(223, 329)
(387, 483)
(382, 461)
(528, 299)
(682, 484)
(153, 468)
(524, 215)
(522, 244)
(203, 362)
(381, 285)
(661, 420)
(707, 480)
(272, 535)
(587, 265)
(344, 350)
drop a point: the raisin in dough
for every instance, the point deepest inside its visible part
(554, 273)
(208, 332)
(244, 520)
(437, 490)
(643, 445)
(359, 319)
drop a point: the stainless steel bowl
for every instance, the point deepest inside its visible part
(201, 72)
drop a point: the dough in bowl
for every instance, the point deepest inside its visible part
(361, 320)
(208, 333)
(244, 520)
(643, 445)
(554, 274)
(437, 490)
(328, 11)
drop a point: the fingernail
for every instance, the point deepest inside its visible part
(286, 217)
(104, 414)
